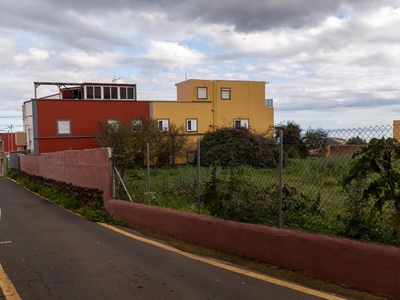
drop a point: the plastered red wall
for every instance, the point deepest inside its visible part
(88, 168)
(83, 115)
(9, 142)
(367, 266)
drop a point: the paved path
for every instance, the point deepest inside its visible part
(48, 252)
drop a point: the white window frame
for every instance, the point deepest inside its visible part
(63, 127)
(225, 93)
(243, 123)
(202, 93)
(113, 123)
(86, 91)
(191, 125)
(136, 125)
(99, 88)
(133, 93)
(164, 126)
(104, 92)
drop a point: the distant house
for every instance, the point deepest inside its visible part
(12, 141)
(69, 118)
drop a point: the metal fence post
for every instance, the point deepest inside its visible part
(198, 176)
(148, 173)
(112, 173)
(280, 177)
(173, 151)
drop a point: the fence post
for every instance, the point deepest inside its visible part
(148, 173)
(198, 176)
(173, 151)
(280, 177)
(113, 174)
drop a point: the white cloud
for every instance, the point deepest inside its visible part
(169, 55)
(329, 63)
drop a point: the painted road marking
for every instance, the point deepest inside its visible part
(228, 267)
(7, 287)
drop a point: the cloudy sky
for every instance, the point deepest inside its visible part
(330, 64)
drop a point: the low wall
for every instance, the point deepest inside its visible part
(367, 266)
(341, 150)
(86, 168)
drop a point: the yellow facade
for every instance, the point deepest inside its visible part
(216, 103)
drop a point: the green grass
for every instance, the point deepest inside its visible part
(94, 211)
(321, 205)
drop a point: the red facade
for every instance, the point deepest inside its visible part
(82, 117)
(9, 143)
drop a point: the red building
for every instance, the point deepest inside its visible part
(69, 119)
(9, 143)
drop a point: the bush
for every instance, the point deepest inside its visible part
(230, 147)
(237, 198)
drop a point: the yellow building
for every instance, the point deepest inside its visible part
(204, 105)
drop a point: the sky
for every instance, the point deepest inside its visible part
(328, 64)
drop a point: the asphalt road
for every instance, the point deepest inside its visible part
(48, 252)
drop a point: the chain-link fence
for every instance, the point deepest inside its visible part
(305, 192)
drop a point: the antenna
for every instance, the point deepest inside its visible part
(115, 79)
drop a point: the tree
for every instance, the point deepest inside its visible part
(293, 143)
(231, 147)
(315, 139)
(129, 142)
(356, 141)
(376, 164)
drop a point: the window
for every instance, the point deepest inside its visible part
(122, 91)
(130, 93)
(163, 124)
(89, 92)
(97, 92)
(114, 92)
(202, 93)
(136, 125)
(106, 92)
(63, 127)
(269, 102)
(225, 93)
(113, 124)
(191, 125)
(241, 123)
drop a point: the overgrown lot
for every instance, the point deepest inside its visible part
(314, 197)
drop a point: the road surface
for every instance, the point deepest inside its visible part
(47, 252)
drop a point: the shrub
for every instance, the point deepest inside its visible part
(230, 147)
(237, 198)
(377, 165)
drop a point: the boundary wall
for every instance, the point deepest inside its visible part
(371, 267)
(340, 150)
(367, 266)
(89, 168)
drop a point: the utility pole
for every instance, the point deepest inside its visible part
(12, 146)
(10, 139)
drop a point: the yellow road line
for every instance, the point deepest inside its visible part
(228, 267)
(7, 287)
